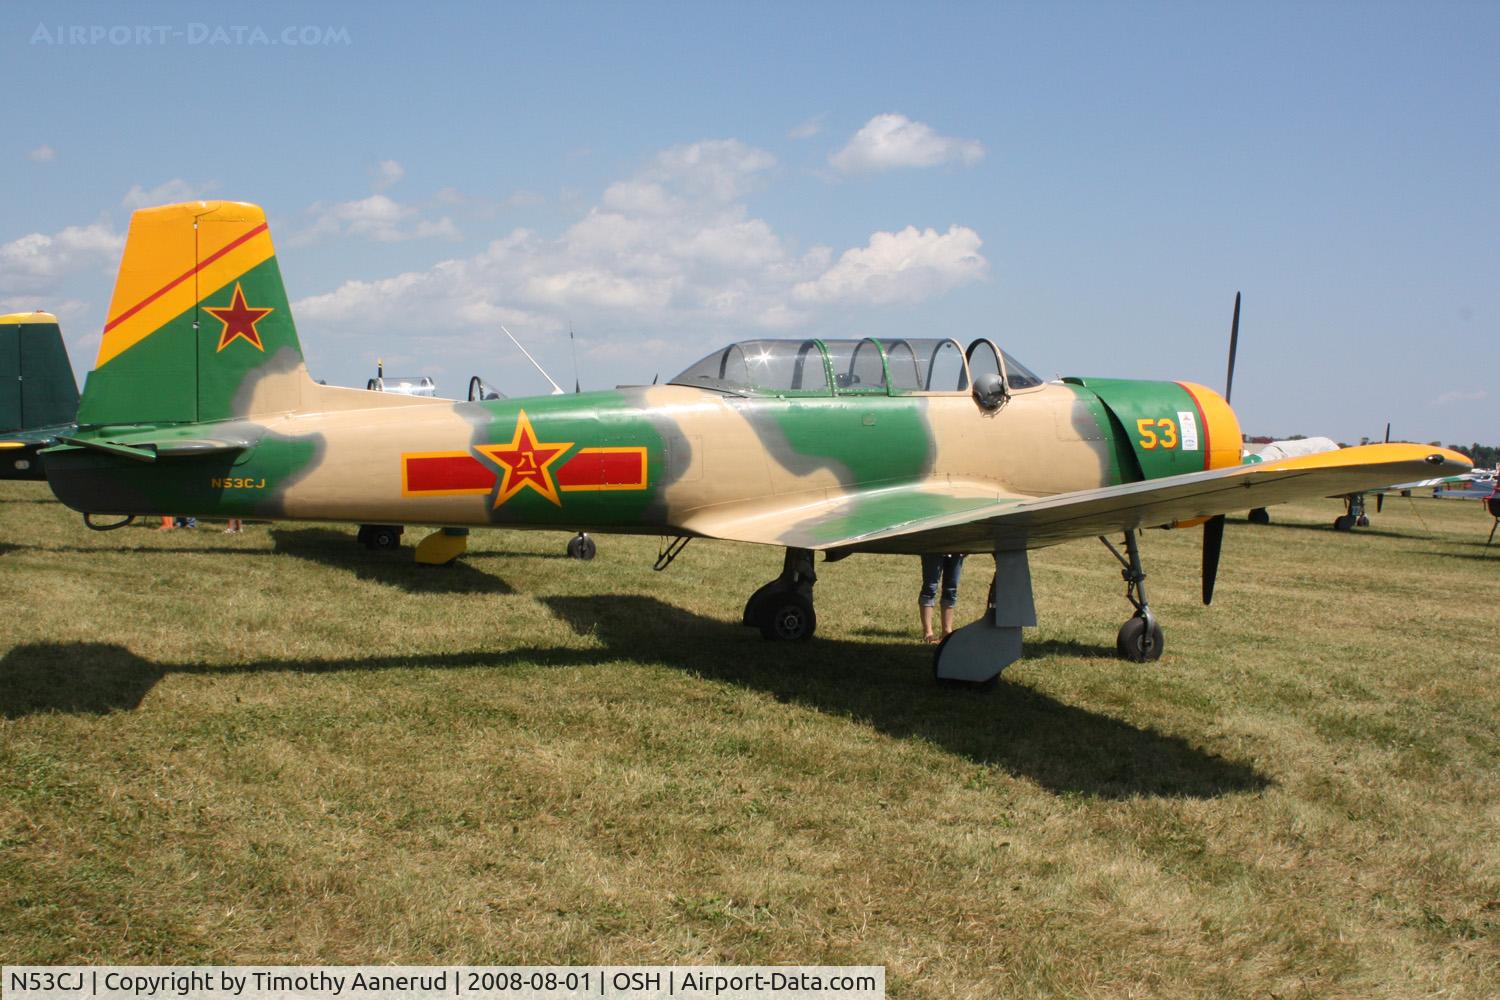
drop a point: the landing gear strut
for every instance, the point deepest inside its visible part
(1140, 639)
(1354, 514)
(974, 655)
(783, 608)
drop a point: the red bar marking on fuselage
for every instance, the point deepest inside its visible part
(443, 475)
(459, 473)
(604, 468)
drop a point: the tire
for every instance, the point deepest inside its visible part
(787, 617)
(1259, 515)
(581, 546)
(1344, 522)
(383, 537)
(1134, 645)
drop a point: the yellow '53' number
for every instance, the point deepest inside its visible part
(1148, 428)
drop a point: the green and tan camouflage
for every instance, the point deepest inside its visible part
(200, 403)
(38, 396)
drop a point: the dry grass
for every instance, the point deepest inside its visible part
(278, 748)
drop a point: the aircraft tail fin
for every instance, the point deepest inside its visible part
(199, 327)
(36, 379)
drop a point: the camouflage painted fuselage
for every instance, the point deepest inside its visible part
(662, 459)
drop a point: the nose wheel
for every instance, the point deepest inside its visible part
(1140, 639)
(581, 546)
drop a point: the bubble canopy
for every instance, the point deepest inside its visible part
(850, 367)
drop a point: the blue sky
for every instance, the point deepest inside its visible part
(1087, 184)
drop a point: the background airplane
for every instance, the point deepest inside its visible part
(38, 397)
(200, 403)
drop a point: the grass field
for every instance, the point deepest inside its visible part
(279, 748)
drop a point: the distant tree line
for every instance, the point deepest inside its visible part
(1485, 456)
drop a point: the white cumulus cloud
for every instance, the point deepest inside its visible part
(168, 193)
(36, 261)
(387, 173)
(908, 266)
(892, 140)
(807, 129)
(672, 248)
(42, 154)
(378, 217)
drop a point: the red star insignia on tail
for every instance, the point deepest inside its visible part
(525, 462)
(239, 321)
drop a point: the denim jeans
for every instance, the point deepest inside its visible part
(946, 569)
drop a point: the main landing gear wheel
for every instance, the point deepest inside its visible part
(1259, 515)
(1138, 643)
(1344, 522)
(783, 608)
(581, 546)
(786, 616)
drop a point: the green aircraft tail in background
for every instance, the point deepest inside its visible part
(38, 397)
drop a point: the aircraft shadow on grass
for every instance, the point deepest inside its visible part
(1327, 529)
(1481, 555)
(339, 550)
(330, 548)
(888, 686)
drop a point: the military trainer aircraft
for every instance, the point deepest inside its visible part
(38, 397)
(200, 404)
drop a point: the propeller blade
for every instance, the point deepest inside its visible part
(1387, 432)
(1213, 544)
(1234, 342)
(577, 385)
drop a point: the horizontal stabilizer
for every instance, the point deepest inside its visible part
(34, 438)
(151, 451)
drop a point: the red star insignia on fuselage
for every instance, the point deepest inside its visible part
(239, 321)
(525, 462)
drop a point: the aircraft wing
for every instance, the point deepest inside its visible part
(909, 520)
(839, 515)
